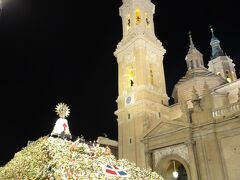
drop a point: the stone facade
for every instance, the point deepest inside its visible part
(199, 134)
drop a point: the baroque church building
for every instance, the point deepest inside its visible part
(198, 137)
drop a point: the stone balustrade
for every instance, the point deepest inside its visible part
(229, 110)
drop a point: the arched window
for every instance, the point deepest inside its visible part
(128, 22)
(233, 75)
(228, 76)
(147, 21)
(190, 64)
(138, 16)
(131, 76)
(151, 77)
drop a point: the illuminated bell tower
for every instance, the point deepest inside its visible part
(220, 63)
(142, 96)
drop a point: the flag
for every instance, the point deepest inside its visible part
(114, 171)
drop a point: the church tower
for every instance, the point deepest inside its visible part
(142, 97)
(220, 63)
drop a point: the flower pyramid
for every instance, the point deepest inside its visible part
(56, 157)
(60, 159)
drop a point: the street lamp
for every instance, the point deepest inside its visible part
(175, 173)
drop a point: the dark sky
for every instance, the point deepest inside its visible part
(62, 51)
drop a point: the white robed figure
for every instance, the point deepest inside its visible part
(61, 128)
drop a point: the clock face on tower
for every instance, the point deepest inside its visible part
(129, 100)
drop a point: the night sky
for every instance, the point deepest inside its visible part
(62, 51)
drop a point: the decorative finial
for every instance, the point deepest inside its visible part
(62, 110)
(105, 135)
(211, 28)
(213, 36)
(191, 41)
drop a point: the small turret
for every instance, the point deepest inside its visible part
(194, 58)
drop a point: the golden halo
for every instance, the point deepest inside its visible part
(62, 110)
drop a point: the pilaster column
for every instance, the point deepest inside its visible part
(192, 159)
(148, 160)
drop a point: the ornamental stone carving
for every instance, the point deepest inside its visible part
(180, 150)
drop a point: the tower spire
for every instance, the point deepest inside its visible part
(215, 43)
(192, 46)
(194, 57)
(211, 29)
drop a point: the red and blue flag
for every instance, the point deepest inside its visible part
(112, 170)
